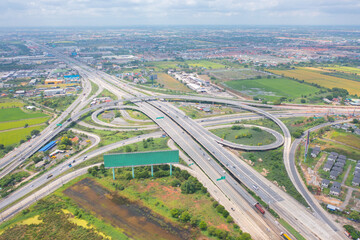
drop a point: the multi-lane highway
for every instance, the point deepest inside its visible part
(194, 140)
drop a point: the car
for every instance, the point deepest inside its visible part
(255, 187)
(234, 167)
(233, 209)
(73, 161)
(209, 159)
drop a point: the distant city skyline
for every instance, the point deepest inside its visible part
(68, 13)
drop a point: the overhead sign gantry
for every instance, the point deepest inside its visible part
(136, 159)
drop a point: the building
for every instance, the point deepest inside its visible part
(340, 164)
(327, 167)
(334, 174)
(341, 160)
(356, 181)
(53, 81)
(325, 183)
(53, 92)
(335, 189)
(315, 152)
(20, 92)
(33, 82)
(30, 107)
(337, 168)
(332, 207)
(331, 158)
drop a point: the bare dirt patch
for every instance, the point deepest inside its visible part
(264, 172)
(328, 200)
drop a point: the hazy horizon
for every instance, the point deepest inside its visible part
(120, 13)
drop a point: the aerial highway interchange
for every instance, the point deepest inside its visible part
(204, 148)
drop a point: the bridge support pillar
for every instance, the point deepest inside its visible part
(113, 173)
(170, 169)
(152, 170)
(133, 172)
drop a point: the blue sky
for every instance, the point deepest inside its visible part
(177, 12)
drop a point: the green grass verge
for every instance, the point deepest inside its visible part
(247, 136)
(291, 230)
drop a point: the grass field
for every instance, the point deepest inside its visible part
(236, 74)
(11, 104)
(205, 64)
(94, 88)
(258, 137)
(272, 88)
(344, 137)
(314, 76)
(11, 137)
(21, 123)
(107, 93)
(171, 83)
(137, 115)
(162, 65)
(11, 114)
(351, 70)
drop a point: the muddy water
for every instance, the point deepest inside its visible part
(137, 221)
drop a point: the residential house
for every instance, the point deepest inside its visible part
(327, 167)
(356, 181)
(325, 183)
(335, 189)
(334, 174)
(315, 152)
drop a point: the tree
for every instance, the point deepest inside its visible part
(65, 141)
(245, 236)
(128, 149)
(355, 215)
(35, 132)
(229, 219)
(175, 183)
(303, 100)
(185, 216)
(220, 209)
(188, 187)
(277, 102)
(175, 213)
(2, 146)
(202, 225)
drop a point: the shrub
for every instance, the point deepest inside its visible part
(203, 225)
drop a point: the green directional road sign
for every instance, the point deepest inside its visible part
(59, 124)
(191, 164)
(160, 118)
(222, 178)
